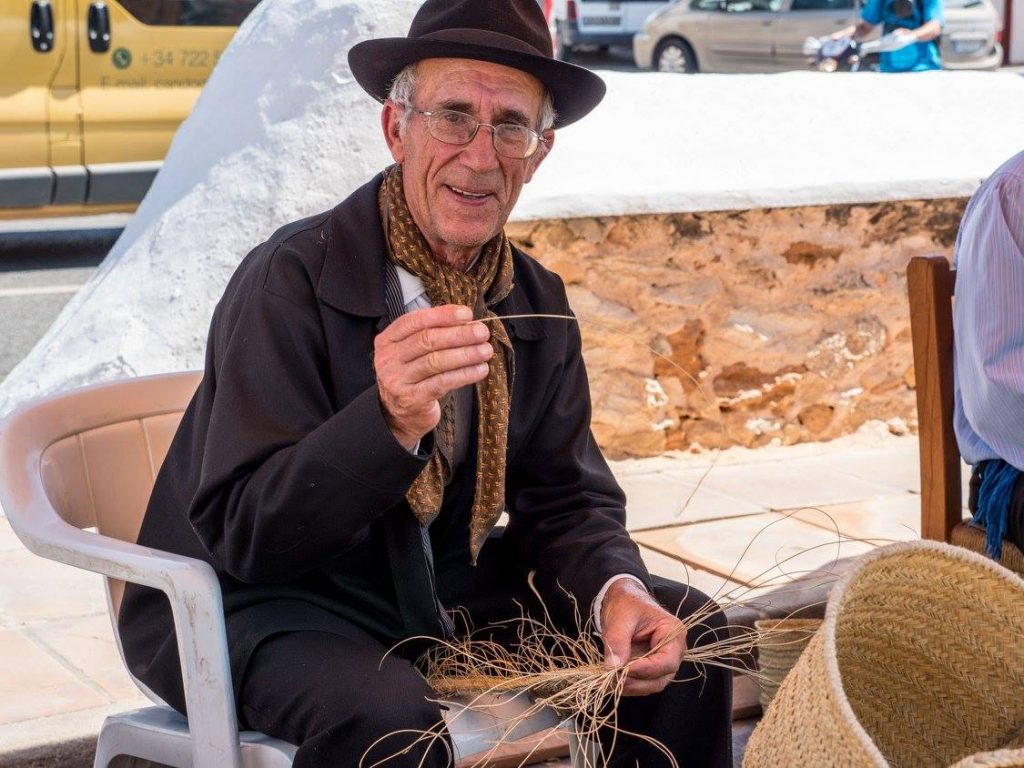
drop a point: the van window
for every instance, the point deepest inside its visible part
(190, 13)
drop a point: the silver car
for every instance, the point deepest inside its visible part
(768, 35)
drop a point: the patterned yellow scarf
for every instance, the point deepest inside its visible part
(487, 282)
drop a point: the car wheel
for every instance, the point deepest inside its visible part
(675, 55)
(562, 51)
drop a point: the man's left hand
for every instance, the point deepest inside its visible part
(632, 625)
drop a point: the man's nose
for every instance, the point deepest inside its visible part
(480, 154)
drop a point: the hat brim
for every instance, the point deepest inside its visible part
(575, 91)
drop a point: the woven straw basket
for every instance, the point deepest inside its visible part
(776, 655)
(920, 662)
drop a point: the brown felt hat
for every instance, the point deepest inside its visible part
(508, 32)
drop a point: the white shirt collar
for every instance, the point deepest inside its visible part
(412, 286)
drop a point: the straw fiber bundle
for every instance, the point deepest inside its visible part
(920, 662)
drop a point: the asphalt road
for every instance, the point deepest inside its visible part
(39, 273)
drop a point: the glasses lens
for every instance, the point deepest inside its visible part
(514, 140)
(451, 127)
(510, 140)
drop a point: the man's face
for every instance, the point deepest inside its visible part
(461, 196)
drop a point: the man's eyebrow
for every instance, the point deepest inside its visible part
(458, 106)
(512, 116)
(508, 115)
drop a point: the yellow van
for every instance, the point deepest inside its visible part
(92, 91)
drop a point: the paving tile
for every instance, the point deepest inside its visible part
(781, 485)
(8, 541)
(33, 589)
(757, 550)
(882, 520)
(33, 684)
(897, 466)
(712, 585)
(88, 645)
(624, 468)
(677, 496)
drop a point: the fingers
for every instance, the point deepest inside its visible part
(616, 647)
(421, 357)
(653, 669)
(422, 369)
(411, 323)
(651, 673)
(645, 687)
(431, 340)
(658, 664)
(437, 386)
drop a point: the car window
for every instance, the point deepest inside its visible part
(821, 5)
(746, 6)
(706, 5)
(190, 13)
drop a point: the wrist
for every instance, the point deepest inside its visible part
(623, 590)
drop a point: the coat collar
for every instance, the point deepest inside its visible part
(352, 279)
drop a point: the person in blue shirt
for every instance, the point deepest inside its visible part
(921, 19)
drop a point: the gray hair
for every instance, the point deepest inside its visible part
(403, 88)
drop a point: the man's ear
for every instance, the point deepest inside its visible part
(533, 162)
(390, 122)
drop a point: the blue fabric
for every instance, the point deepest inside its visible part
(994, 498)
(918, 57)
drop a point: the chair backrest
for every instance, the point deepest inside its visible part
(96, 452)
(930, 287)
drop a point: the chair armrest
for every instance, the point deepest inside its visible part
(191, 587)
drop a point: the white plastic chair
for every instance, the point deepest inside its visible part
(87, 459)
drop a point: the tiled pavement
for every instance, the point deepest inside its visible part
(734, 524)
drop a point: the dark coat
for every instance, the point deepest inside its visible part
(283, 473)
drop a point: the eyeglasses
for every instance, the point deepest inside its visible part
(458, 128)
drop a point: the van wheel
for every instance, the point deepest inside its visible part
(675, 55)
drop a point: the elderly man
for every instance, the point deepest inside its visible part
(378, 390)
(989, 334)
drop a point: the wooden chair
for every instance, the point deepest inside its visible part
(930, 288)
(76, 472)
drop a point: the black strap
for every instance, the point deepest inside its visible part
(409, 547)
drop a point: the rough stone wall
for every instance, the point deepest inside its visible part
(774, 326)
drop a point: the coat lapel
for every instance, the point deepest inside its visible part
(352, 279)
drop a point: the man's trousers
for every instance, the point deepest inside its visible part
(333, 696)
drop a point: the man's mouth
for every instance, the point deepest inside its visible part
(467, 194)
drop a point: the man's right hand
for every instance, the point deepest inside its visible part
(422, 356)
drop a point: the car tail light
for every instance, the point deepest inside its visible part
(999, 37)
(570, 11)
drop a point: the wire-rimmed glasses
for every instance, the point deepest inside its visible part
(453, 127)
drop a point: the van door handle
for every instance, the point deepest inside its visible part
(41, 26)
(99, 28)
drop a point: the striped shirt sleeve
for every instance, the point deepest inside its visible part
(989, 320)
